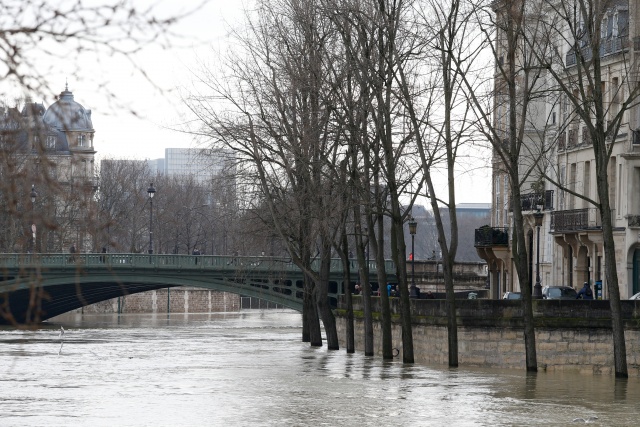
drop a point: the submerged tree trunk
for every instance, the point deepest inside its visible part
(310, 310)
(387, 343)
(611, 271)
(322, 298)
(348, 298)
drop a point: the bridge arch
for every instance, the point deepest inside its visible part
(70, 283)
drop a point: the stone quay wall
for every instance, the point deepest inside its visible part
(570, 335)
(181, 300)
(429, 276)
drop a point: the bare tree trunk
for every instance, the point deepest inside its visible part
(387, 343)
(346, 261)
(322, 297)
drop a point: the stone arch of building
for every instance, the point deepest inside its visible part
(633, 269)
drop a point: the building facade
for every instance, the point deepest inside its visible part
(48, 156)
(203, 165)
(561, 139)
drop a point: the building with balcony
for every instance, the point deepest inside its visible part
(571, 242)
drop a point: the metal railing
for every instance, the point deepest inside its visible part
(577, 219)
(111, 261)
(607, 47)
(491, 236)
(531, 201)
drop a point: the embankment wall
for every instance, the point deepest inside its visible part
(179, 300)
(570, 335)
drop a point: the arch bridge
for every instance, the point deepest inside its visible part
(36, 287)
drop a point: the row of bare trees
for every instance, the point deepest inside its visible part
(324, 105)
(342, 113)
(188, 215)
(339, 110)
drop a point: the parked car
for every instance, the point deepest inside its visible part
(636, 296)
(512, 295)
(559, 292)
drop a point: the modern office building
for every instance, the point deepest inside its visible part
(201, 164)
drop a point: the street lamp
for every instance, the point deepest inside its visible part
(537, 288)
(33, 195)
(151, 192)
(366, 233)
(412, 229)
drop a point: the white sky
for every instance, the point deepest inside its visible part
(120, 134)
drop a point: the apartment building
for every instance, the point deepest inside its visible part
(571, 247)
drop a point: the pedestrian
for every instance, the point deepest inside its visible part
(357, 289)
(196, 252)
(103, 257)
(585, 292)
(394, 291)
(72, 251)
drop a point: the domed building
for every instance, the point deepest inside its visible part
(49, 151)
(70, 134)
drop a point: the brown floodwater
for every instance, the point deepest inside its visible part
(250, 368)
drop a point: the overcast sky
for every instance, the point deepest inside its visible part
(147, 133)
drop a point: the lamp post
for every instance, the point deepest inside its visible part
(151, 192)
(33, 196)
(412, 230)
(366, 233)
(537, 288)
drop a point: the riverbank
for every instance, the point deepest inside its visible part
(571, 336)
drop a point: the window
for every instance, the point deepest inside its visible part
(587, 182)
(572, 185)
(563, 171)
(505, 201)
(81, 140)
(612, 181)
(619, 190)
(51, 141)
(497, 204)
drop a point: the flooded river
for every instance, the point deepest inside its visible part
(250, 368)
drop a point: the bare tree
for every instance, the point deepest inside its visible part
(122, 205)
(40, 32)
(595, 93)
(33, 39)
(277, 120)
(505, 115)
(438, 117)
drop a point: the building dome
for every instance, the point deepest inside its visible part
(67, 115)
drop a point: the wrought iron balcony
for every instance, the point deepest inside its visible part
(492, 236)
(531, 201)
(608, 47)
(577, 219)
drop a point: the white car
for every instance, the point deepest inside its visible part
(636, 296)
(512, 295)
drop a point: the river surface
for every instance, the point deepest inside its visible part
(250, 368)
